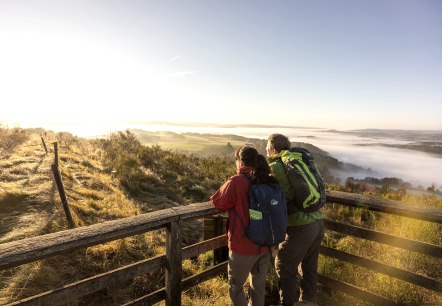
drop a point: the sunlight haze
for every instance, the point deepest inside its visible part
(329, 64)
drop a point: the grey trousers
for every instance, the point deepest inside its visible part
(301, 246)
(239, 269)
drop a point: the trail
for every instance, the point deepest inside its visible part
(25, 183)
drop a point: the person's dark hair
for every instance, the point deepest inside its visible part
(279, 142)
(262, 172)
(260, 169)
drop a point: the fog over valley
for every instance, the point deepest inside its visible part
(413, 156)
(376, 154)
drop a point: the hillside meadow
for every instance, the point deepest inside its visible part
(118, 176)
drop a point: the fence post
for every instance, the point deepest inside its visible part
(44, 143)
(56, 153)
(62, 194)
(222, 254)
(174, 264)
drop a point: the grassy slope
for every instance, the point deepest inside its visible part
(204, 145)
(29, 206)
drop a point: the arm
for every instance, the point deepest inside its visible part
(224, 198)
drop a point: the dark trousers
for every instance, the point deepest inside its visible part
(301, 246)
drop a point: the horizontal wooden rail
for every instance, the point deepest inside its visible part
(355, 291)
(19, 252)
(408, 244)
(423, 281)
(98, 282)
(188, 283)
(16, 253)
(431, 214)
(93, 284)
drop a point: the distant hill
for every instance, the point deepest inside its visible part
(205, 145)
(428, 141)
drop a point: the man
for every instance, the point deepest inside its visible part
(304, 235)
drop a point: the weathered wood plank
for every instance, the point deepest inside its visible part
(407, 244)
(431, 214)
(44, 144)
(87, 286)
(423, 281)
(150, 299)
(174, 270)
(27, 250)
(193, 211)
(84, 287)
(355, 291)
(189, 282)
(204, 246)
(206, 275)
(62, 194)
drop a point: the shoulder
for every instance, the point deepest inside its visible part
(276, 164)
(239, 179)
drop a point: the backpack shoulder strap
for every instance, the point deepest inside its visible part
(236, 215)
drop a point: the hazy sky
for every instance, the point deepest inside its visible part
(332, 64)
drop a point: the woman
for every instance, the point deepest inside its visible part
(245, 257)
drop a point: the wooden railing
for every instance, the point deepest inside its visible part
(16, 253)
(388, 207)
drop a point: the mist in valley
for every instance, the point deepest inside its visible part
(369, 150)
(374, 154)
(378, 157)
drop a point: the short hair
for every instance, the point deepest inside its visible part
(279, 142)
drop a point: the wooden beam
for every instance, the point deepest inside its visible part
(150, 299)
(407, 244)
(19, 252)
(355, 291)
(204, 246)
(423, 281)
(432, 214)
(98, 282)
(197, 279)
(90, 285)
(174, 269)
(62, 194)
(189, 282)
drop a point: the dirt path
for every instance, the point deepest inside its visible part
(26, 191)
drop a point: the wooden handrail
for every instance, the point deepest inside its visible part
(16, 253)
(431, 214)
(407, 244)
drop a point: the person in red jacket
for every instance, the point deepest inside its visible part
(245, 257)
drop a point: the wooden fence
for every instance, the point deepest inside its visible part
(16, 253)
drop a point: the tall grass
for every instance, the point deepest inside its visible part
(11, 138)
(119, 177)
(397, 290)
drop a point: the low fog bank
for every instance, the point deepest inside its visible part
(414, 167)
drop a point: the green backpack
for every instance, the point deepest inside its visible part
(305, 180)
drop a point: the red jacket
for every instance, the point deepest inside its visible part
(234, 194)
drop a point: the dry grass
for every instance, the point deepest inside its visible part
(399, 291)
(30, 206)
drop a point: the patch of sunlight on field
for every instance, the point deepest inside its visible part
(25, 226)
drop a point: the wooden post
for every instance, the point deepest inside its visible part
(62, 194)
(56, 153)
(221, 254)
(44, 144)
(174, 264)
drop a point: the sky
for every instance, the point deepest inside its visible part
(339, 64)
